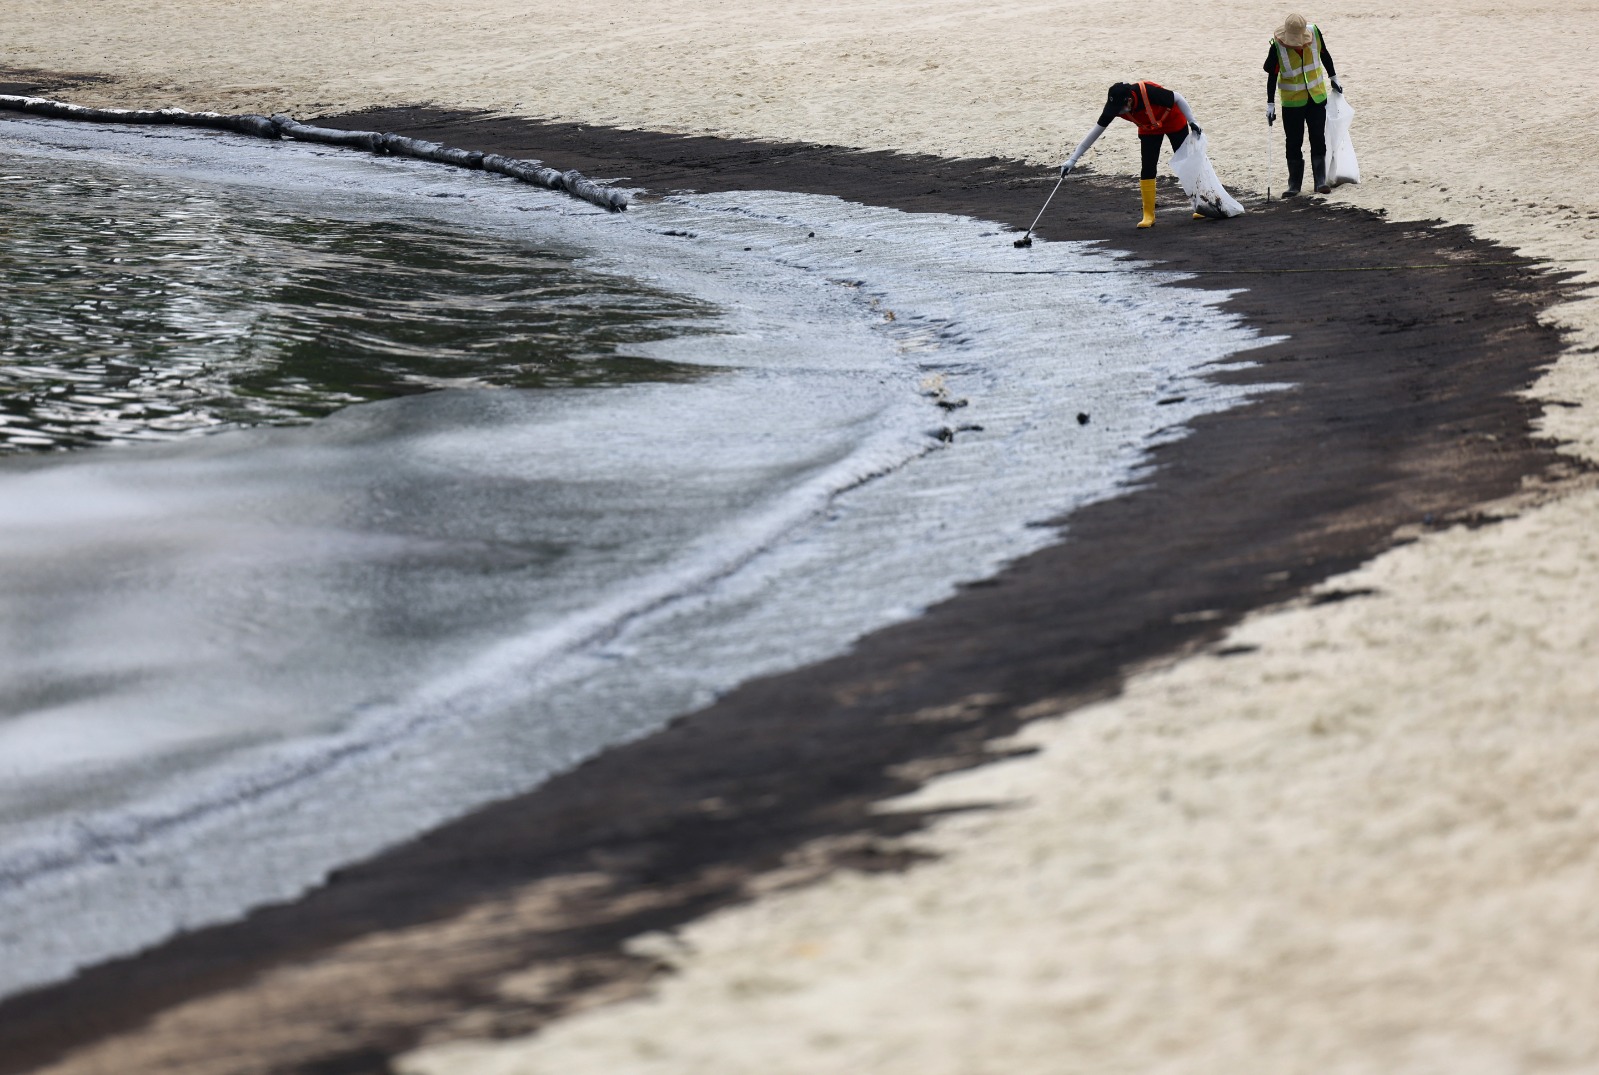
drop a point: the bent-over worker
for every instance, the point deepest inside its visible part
(1299, 68)
(1156, 112)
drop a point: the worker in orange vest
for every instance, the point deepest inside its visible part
(1157, 112)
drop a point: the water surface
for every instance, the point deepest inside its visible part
(140, 310)
(396, 489)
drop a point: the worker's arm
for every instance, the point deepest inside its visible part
(1111, 110)
(1327, 61)
(1188, 113)
(1082, 147)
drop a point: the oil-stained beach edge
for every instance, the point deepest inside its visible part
(1405, 412)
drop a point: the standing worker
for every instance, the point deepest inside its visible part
(1156, 111)
(1299, 67)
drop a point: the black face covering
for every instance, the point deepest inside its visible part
(1120, 94)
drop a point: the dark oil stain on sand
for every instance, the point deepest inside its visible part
(1403, 412)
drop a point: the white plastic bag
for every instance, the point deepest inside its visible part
(1342, 167)
(1199, 181)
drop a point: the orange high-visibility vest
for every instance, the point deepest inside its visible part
(1149, 117)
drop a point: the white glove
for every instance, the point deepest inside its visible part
(1271, 113)
(1066, 169)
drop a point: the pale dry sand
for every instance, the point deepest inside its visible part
(1371, 845)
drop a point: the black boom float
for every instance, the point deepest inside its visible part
(282, 125)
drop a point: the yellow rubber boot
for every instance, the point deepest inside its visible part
(1146, 187)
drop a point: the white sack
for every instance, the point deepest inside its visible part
(1341, 164)
(1199, 181)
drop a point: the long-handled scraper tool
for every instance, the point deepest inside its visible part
(1271, 144)
(1027, 240)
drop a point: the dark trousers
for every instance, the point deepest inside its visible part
(1295, 120)
(1149, 147)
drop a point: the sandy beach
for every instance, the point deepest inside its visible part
(1355, 833)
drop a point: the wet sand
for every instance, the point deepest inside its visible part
(1293, 819)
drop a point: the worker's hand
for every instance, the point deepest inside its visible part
(1195, 128)
(1336, 86)
(1066, 169)
(1271, 114)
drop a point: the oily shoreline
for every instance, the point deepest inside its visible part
(1404, 413)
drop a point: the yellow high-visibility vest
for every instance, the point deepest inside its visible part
(1300, 76)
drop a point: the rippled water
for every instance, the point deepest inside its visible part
(132, 311)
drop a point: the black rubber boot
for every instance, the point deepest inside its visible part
(1319, 165)
(1296, 176)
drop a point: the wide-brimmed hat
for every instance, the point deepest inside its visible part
(1294, 32)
